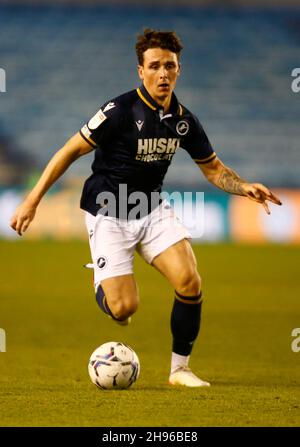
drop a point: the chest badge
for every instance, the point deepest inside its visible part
(182, 127)
(139, 124)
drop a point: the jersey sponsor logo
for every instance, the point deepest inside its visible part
(182, 127)
(151, 149)
(96, 120)
(109, 106)
(102, 262)
(139, 124)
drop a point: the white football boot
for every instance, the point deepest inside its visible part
(184, 376)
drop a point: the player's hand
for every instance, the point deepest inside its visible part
(24, 214)
(260, 193)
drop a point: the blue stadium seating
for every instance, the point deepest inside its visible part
(62, 63)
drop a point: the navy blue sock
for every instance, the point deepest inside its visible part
(101, 300)
(185, 322)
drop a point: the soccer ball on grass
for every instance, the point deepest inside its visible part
(114, 366)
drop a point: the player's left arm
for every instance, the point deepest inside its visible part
(227, 179)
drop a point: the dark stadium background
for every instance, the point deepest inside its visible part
(62, 60)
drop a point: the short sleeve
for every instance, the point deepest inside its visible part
(102, 125)
(197, 144)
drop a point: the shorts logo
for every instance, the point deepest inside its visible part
(182, 128)
(102, 262)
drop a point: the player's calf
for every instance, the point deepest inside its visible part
(123, 309)
(102, 303)
(118, 310)
(185, 323)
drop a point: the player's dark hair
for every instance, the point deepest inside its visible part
(167, 40)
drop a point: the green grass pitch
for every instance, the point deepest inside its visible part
(53, 324)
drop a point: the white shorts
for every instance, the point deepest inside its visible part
(113, 241)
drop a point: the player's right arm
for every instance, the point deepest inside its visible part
(74, 148)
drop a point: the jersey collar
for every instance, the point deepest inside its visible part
(175, 107)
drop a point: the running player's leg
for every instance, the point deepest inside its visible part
(178, 264)
(120, 296)
(165, 245)
(112, 245)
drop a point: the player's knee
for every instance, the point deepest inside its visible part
(189, 283)
(123, 309)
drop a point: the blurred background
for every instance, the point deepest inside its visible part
(61, 60)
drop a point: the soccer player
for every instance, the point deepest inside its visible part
(134, 137)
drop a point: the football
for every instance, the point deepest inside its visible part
(114, 366)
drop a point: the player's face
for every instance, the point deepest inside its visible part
(159, 72)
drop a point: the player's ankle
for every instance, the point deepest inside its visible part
(178, 361)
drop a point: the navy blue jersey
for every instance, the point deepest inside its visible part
(135, 142)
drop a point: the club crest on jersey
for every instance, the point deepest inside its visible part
(182, 127)
(102, 262)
